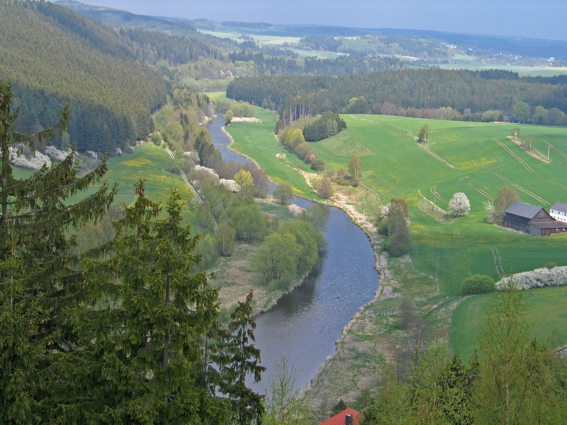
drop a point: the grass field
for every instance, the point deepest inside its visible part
(545, 314)
(475, 158)
(148, 163)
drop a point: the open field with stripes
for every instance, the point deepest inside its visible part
(475, 158)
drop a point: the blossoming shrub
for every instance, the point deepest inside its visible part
(535, 279)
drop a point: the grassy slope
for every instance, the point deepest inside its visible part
(546, 316)
(147, 162)
(396, 166)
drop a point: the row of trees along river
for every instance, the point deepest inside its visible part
(305, 323)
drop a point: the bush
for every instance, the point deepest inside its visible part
(397, 249)
(477, 284)
(318, 165)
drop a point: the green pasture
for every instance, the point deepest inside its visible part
(256, 140)
(475, 158)
(147, 162)
(545, 314)
(21, 173)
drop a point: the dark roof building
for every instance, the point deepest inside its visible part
(532, 219)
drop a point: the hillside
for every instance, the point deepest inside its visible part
(52, 55)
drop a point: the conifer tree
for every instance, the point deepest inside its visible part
(39, 275)
(237, 359)
(149, 312)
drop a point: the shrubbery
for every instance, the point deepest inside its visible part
(535, 279)
(477, 284)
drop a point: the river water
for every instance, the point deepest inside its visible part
(304, 325)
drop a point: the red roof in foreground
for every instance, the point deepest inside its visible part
(339, 418)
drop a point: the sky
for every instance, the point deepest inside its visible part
(523, 18)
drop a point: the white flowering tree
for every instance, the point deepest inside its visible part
(535, 279)
(459, 205)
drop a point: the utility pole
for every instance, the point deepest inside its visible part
(437, 271)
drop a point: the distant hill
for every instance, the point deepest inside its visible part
(122, 19)
(52, 55)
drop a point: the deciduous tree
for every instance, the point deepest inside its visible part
(423, 133)
(459, 205)
(355, 167)
(283, 192)
(505, 198)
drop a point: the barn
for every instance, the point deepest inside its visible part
(532, 219)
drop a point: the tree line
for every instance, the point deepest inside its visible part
(466, 92)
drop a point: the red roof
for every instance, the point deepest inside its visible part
(339, 418)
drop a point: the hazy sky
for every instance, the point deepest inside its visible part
(527, 18)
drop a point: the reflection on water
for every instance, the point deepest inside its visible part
(304, 324)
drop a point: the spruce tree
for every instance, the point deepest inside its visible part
(39, 275)
(148, 313)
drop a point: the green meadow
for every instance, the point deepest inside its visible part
(545, 315)
(475, 158)
(147, 162)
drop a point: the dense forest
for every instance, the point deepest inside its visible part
(467, 92)
(51, 56)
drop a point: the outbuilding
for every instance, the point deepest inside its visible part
(532, 219)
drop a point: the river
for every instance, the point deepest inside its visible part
(304, 325)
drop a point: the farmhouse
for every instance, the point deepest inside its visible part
(532, 219)
(559, 211)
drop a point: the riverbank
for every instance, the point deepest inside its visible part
(369, 339)
(305, 324)
(235, 279)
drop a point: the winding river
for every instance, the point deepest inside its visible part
(304, 325)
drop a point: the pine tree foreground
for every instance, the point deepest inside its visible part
(122, 333)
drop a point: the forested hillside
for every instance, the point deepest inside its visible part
(203, 61)
(52, 55)
(467, 92)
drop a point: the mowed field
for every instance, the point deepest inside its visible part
(475, 158)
